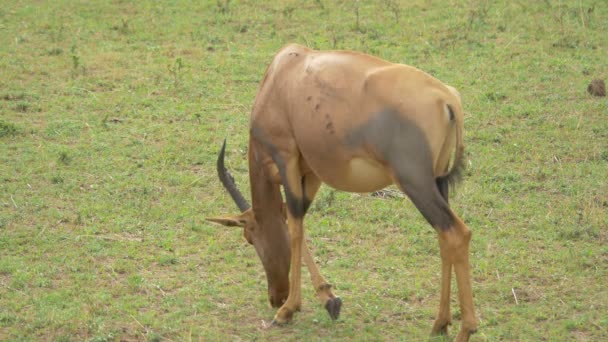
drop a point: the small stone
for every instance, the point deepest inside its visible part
(597, 88)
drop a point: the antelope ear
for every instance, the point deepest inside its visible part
(239, 220)
(228, 221)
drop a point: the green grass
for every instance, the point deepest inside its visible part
(111, 115)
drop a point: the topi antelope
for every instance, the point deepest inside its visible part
(356, 123)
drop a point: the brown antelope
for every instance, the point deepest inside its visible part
(356, 123)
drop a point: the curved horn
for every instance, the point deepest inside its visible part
(228, 181)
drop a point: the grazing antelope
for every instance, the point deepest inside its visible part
(356, 123)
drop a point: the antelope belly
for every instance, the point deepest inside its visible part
(365, 175)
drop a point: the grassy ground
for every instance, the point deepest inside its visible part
(111, 115)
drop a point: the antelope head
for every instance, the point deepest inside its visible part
(266, 230)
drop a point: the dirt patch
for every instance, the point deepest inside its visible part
(528, 294)
(597, 87)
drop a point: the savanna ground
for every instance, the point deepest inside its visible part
(112, 112)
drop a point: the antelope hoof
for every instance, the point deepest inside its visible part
(464, 335)
(333, 306)
(283, 316)
(279, 323)
(275, 323)
(440, 328)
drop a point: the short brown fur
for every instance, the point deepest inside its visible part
(356, 123)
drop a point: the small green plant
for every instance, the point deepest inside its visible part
(7, 129)
(57, 34)
(77, 67)
(54, 51)
(167, 260)
(288, 11)
(64, 158)
(22, 106)
(393, 6)
(57, 179)
(335, 39)
(75, 57)
(175, 70)
(123, 27)
(356, 9)
(478, 15)
(223, 6)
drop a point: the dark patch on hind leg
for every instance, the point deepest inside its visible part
(430, 203)
(444, 188)
(404, 146)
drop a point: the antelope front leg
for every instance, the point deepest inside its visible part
(297, 204)
(294, 300)
(332, 303)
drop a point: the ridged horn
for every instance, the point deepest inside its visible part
(228, 182)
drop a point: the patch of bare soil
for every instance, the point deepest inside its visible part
(597, 87)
